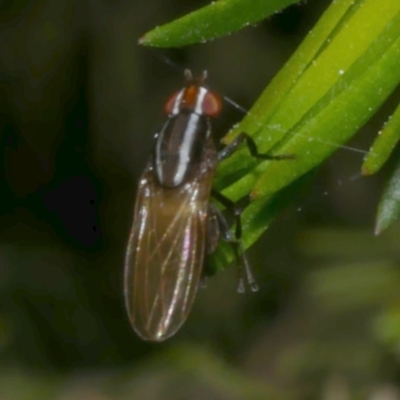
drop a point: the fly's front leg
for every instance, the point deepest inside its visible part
(251, 144)
(244, 269)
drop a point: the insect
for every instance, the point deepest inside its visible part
(175, 225)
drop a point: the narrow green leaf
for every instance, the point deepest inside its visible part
(336, 80)
(259, 121)
(383, 146)
(282, 83)
(336, 121)
(217, 19)
(389, 205)
(342, 87)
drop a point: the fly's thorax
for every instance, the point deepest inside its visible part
(180, 147)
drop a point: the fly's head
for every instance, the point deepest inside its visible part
(194, 98)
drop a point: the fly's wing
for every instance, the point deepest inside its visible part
(165, 253)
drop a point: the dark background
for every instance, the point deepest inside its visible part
(79, 104)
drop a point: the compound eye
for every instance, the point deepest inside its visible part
(170, 106)
(212, 104)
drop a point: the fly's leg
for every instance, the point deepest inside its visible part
(213, 229)
(244, 270)
(213, 233)
(212, 238)
(251, 144)
(240, 254)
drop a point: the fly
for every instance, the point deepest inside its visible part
(174, 223)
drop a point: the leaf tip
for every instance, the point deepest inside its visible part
(144, 40)
(365, 171)
(378, 229)
(382, 223)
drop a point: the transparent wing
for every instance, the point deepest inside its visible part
(165, 253)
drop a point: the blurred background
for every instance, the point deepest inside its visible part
(80, 102)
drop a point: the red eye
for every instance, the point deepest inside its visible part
(170, 103)
(212, 104)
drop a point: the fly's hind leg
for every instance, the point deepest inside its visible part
(244, 270)
(213, 229)
(212, 239)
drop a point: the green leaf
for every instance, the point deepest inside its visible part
(261, 121)
(383, 145)
(341, 74)
(217, 19)
(282, 83)
(389, 205)
(339, 91)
